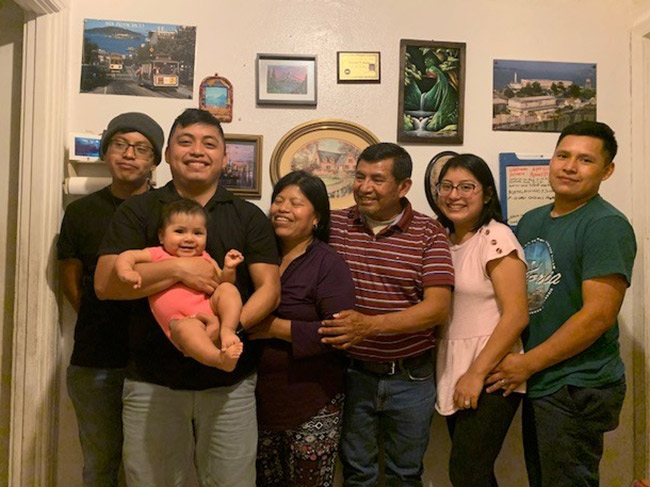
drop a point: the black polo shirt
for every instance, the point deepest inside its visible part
(232, 224)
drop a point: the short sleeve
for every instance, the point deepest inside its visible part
(500, 241)
(609, 248)
(437, 267)
(261, 246)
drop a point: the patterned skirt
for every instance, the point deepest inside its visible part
(304, 456)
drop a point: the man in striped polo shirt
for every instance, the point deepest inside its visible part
(403, 275)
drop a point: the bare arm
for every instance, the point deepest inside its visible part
(195, 272)
(229, 273)
(508, 276)
(71, 273)
(602, 299)
(125, 266)
(350, 327)
(272, 327)
(266, 280)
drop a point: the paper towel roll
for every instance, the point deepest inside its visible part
(84, 185)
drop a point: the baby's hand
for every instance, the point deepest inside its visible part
(131, 277)
(228, 339)
(233, 259)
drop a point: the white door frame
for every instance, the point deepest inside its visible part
(35, 385)
(640, 99)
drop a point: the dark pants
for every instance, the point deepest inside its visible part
(564, 432)
(477, 436)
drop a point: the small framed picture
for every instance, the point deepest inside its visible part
(358, 67)
(284, 79)
(85, 147)
(242, 174)
(433, 171)
(215, 96)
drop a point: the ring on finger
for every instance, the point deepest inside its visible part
(467, 403)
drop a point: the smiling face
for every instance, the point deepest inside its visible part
(293, 216)
(463, 210)
(124, 165)
(577, 168)
(196, 155)
(185, 235)
(376, 192)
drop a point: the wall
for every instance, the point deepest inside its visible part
(230, 34)
(11, 41)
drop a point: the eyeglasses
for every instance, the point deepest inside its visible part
(141, 151)
(464, 189)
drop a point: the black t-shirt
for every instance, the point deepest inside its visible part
(100, 335)
(232, 224)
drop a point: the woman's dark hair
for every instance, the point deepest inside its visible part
(180, 207)
(481, 171)
(315, 191)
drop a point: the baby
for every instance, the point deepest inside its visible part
(183, 233)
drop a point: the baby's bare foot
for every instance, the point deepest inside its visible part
(231, 356)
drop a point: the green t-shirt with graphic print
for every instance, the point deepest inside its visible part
(596, 240)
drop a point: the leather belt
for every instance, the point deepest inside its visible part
(391, 367)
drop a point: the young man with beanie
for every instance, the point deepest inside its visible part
(179, 414)
(580, 252)
(131, 147)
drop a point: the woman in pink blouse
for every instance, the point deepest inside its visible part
(489, 313)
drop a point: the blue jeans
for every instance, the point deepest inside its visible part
(96, 396)
(392, 410)
(564, 432)
(166, 430)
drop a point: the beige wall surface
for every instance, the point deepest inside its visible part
(230, 34)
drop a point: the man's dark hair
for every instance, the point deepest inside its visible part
(480, 170)
(598, 130)
(183, 206)
(402, 163)
(315, 191)
(193, 116)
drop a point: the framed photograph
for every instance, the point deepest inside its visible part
(431, 92)
(358, 67)
(84, 147)
(242, 174)
(433, 171)
(284, 79)
(328, 148)
(542, 96)
(215, 96)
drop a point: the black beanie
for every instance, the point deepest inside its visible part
(135, 122)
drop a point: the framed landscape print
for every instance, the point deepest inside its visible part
(242, 175)
(431, 92)
(327, 148)
(215, 96)
(283, 79)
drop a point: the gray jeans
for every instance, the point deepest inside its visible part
(564, 433)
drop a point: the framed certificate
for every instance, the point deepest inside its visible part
(358, 67)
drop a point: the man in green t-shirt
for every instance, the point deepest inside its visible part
(580, 251)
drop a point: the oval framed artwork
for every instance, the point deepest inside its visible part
(433, 171)
(327, 148)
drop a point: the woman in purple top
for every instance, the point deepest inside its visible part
(300, 380)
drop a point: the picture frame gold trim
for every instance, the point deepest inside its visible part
(237, 177)
(432, 172)
(221, 112)
(313, 146)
